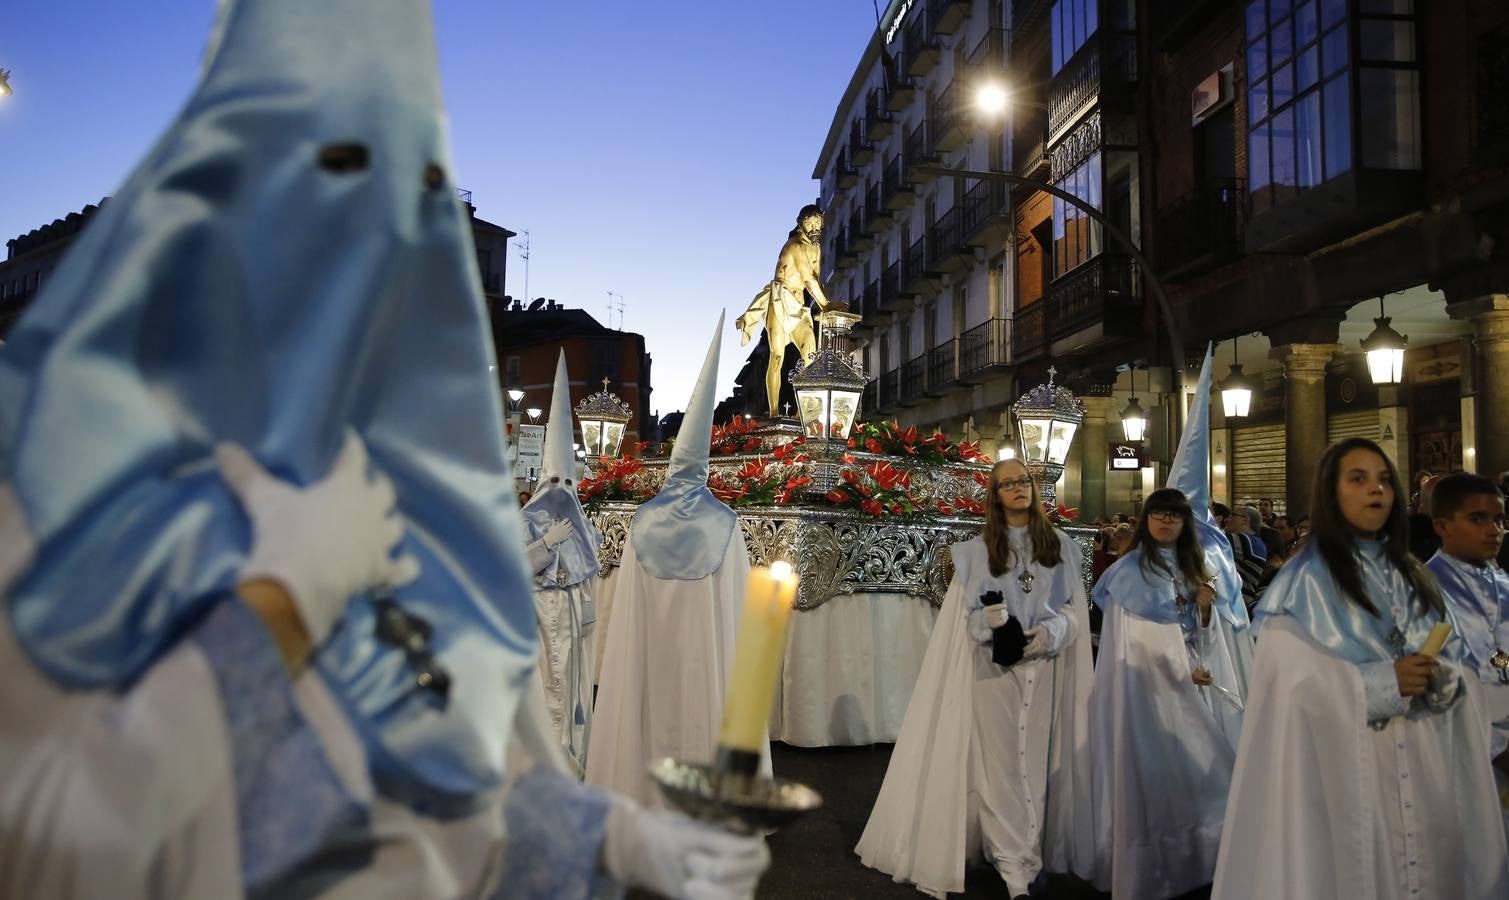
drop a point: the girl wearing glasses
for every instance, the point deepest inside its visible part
(1364, 766)
(1164, 710)
(992, 761)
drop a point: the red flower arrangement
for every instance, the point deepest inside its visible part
(618, 479)
(878, 488)
(735, 437)
(890, 439)
(1060, 514)
(961, 506)
(762, 482)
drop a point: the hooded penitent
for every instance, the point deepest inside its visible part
(683, 530)
(1190, 474)
(555, 498)
(291, 259)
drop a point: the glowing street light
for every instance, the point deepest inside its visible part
(1385, 350)
(991, 99)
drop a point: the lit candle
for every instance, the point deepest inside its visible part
(768, 596)
(1436, 639)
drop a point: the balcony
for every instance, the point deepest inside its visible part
(945, 16)
(1029, 332)
(900, 86)
(913, 373)
(946, 250)
(1202, 230)
(861, 151)
(890, 293)
(987, 217)
(918, 276)
(949, 126)
(877, 214)
(890, 390)
(879, 122)
(869, 401)
(987, 61)
(1105, 292)
(1026, 14)
(983, 351)
(845, 175)
(1105, 66)
(942, 376)
(860, 240)
(916, 151)
(869, 306)
(847, 253)
(923, 49)
(896, 185)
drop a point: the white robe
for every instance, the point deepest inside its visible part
(982, 746)
(567, 617)
(1323, 806)
(666, 664)
(1162, 750)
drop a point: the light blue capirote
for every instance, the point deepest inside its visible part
(556, 498)
(1190, 474)
(683, 531)
(289, 261)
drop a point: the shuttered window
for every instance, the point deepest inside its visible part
(1362, 423)
(1257, 463)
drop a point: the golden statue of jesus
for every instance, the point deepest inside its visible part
(781, 306)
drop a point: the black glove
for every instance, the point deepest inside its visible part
(1007, 642)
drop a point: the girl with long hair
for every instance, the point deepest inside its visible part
(1165, 710)
(992, 762)
(1364, 767)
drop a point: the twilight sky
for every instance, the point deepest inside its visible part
(659, 150)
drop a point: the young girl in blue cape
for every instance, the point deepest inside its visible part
(1363, 769)
(1164, 710)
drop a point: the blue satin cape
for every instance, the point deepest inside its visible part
(249, 283)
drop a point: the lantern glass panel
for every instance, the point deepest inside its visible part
(1135, 427)
(1386, 365)
(1059, 440)
(613, 436)
(592, 436)
(844, 405)
(1034, 433)
(812, 403)
(1236, 401)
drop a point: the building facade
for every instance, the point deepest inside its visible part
(1279, 166)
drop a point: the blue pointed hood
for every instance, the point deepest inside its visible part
(289, 260)
(1190, 473)
(683, 531)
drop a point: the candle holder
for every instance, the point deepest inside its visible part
(731, 794)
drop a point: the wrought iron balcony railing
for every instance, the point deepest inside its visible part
(941, 371)
(1201, 230)
(987, 217)
(896, 184)
(983, 348)
(1106, 290)
(923, 49)
(861, 150)
(913, 375)
(879, 120)
(1029, 332)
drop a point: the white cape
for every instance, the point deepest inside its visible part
(1162, 756)
(1315, 790)
(917, 831)
(565, 663)
(667, 659)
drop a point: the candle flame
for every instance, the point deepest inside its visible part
(780, 569)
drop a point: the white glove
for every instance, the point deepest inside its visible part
(559, 533)
(679, 858)
(996, 615)
(1037, 643)
(324, 543)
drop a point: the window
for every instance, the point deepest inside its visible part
(1076, 237)
(1073, 23)
(1308, 81)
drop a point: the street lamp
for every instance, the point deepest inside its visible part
(1133, 419)
(603, 418)
(829, 386)
(514, 395)
(1385, 350)
(1236, 390)
(991, 99)
(1046, 418)
(534, 414)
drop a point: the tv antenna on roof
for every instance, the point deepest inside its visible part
(523, 247)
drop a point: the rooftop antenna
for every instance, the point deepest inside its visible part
(608, 322)
(524, 255)
(620, 312)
